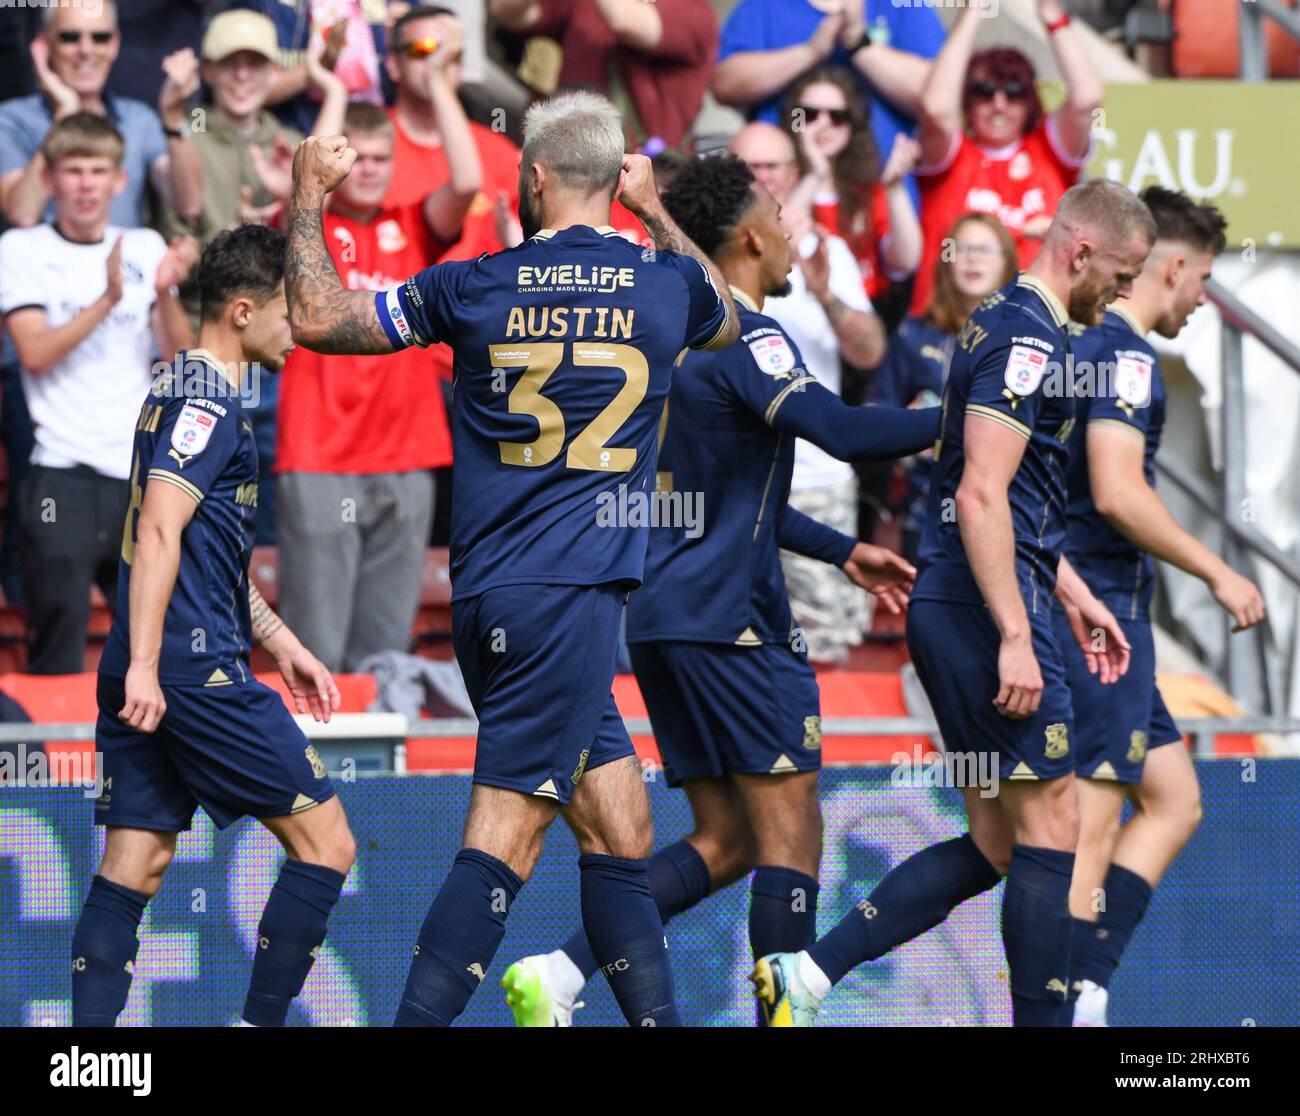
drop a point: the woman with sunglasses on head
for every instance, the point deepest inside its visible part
(844, 187)
(986, 143)
(981, 258)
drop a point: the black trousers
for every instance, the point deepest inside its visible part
(72, 536)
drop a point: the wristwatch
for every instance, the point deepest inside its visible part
(181, 131)
(863, 42)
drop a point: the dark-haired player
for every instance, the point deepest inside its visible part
(979, 626)
(725, 676)
(564, 348)
(182, 721)
(1116, 524)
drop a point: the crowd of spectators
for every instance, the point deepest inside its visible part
(915, 174)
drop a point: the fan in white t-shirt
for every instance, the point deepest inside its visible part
(87, 306)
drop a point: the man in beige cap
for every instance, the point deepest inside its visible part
(244, 149)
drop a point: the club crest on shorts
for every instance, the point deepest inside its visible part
(1133, 379)
(1137, 746)
(1025, 370)
(582, 766)
(1058, 740)
(812, 733)
(317, 764)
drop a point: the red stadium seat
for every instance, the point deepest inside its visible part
(1206, 41)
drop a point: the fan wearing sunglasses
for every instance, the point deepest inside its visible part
(844, 187)
(988, 146)
(71, 59)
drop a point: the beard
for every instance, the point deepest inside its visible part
(784, 288)
(1085, 306)
(529, 219)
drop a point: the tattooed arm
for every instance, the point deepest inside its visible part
(325, 316)
(642, 200)
(309, 680)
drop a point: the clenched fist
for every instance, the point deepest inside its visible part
(319, 165)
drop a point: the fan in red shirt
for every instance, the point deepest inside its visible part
(844, 185)
(662, 54)
(359, 436)
(1011, 160)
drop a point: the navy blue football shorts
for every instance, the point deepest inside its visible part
(954, 648)
(1116, 726)
(717, 708)
(538, 662)
(234, 749)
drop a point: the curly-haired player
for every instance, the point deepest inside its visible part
(725, 676)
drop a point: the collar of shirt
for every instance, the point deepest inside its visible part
(207, 358)
(1053, 304)
(1125, 316)
(745, 301)
(263, 135)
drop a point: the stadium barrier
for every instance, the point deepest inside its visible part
(1220, 945)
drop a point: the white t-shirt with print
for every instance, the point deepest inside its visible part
(802, 317)
(85, 407)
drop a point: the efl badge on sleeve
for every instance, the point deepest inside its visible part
(1133, 380)
(773, 354)
(192, 430)
(1025, 370)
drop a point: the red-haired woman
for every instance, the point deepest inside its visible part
(986, 143)
(844, 186)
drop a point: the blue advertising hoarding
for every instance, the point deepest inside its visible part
(1220, 945)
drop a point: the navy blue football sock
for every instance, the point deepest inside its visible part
(627, 937)
(290, 932)
(1082, 933)
(458, 940)
(679, 879)
(782, 910)
(915, 896)
(1127, 898)
(1036, 933)
(103, 952)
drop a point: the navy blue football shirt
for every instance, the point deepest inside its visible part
(1124, 391)
(193, 433)
(915, 370)
(1009, 366)
(564, 349)
(713, 570)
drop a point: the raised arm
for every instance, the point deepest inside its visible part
(898, 75)
(1083, 88)
(178, 175)
(514, 15)
(750, 76)
(446, 207)
(641, 198)
(324, 315)
(860, 333)
(939, 109)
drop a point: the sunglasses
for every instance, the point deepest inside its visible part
(422, 48)
(987, 90)
(838, 117)
(99, 38)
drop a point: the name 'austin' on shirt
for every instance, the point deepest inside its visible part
(564, 350)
